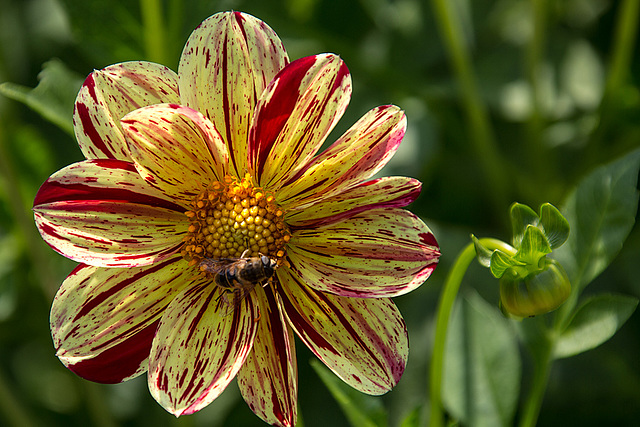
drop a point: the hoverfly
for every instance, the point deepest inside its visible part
(238, 276)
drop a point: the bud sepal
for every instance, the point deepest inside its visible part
(530, 283)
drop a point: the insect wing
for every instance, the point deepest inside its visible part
(214, 266)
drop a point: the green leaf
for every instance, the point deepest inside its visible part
(360, 409)
(556, 227)
(482, 366)
(597, 320)
(54, 96)
(500, 262)
(413, 418)
(521, 217)
(601, 211)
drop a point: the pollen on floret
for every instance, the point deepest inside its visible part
(230, 218)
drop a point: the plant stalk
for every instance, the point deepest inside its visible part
(480, 132)
(541, 369)
(154, 31)
(445, 306)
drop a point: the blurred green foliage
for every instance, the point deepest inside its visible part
(557, 95)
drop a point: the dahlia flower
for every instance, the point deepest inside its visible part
(218, 163)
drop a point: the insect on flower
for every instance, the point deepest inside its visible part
(239, 276)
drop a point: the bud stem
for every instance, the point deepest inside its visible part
(447, 298)
(541, 367)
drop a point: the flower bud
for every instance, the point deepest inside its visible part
(537, 293)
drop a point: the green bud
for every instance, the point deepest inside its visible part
(538, 293)
(553, 227)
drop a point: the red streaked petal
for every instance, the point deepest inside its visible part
(356, 156)
(103, 320)
(199, 347)
(268, 380)
(109, 94)
(398, 191)
(295, 114)
(376, 278)
(102, 179)
(378, 253)
(362, 340)
(175, 149)
(225, 66)
(100, 212)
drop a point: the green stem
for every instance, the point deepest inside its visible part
(175, 21)
(154, 31)
(535, 51)
(448, 297)
(481, 134)
(537, 155)
(541, 369)
(542, 354)
(624, 41)
(566, 310)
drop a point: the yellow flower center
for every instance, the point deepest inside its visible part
(231, 217)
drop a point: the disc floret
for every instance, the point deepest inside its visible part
(232, 217)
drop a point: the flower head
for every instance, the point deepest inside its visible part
(192, 177)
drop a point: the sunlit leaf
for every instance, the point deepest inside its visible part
(482, 366)
(360, 409)
(597, 320)
(601, 211)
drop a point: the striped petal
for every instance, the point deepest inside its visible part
(103, 319)
(268, 380)
(225, 66)
(396, 191)
(356, 156)
(109, 94)
(379, 253)
(362, 340)
(176, 149)
(294, 116)
(199, 347)
(100, 212)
